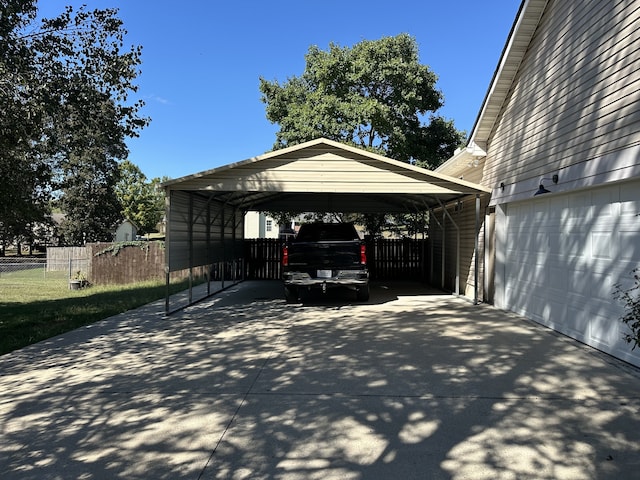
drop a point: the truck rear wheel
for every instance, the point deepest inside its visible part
(362, 294)
(290, 294)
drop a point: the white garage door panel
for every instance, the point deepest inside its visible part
(603, 245)
(629, 248)
(538, 307)
(575, 323)
(602, 289)
(564, 256)
(603, 334)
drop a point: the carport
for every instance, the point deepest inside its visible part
(205, 211)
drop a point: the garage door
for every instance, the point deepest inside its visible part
(565, 253)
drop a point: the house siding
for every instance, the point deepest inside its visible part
(575, 98)
(256, 225)
(571, 111)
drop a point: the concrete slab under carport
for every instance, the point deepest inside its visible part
(413, 384)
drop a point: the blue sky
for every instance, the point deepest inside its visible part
(202, 61)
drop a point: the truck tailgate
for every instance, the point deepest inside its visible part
(316, 255)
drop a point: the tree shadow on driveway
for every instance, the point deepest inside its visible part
(243, 385)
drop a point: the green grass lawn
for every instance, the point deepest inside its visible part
(34, 307)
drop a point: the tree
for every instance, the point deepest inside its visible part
(374, 95)
(630, 297)
(142, 201)
(64, 86)
(92, 210)
(21, 201)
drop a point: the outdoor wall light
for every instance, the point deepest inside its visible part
(541, 188)
(502, 186)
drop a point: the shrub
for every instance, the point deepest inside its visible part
(631, 299)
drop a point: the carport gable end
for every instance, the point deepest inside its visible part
(304, 177)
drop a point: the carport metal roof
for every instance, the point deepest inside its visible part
(324, 175)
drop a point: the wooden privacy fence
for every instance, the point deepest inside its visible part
(388, 259)
(263, 258)
(126, 262)
(398, 259)
(106, 263)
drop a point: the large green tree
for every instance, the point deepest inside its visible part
(64, 90)
(375, 94)
(142, 200)
(89, 201)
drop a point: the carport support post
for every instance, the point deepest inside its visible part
(167, 292)
(224, 255)
(208, 240)
(190, 240)
(444, 247)
(167, 270)
(431, 252)
(234, 243)
(433, 216)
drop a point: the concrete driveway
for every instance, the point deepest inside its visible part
(412, 385)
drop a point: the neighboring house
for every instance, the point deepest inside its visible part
(561, 118)
(126, 231)
(260, 225)
(47, 233)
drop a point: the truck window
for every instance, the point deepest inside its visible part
(334, 231)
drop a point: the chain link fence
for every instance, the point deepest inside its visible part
(31, 271)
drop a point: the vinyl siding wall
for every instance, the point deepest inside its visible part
(575, 97)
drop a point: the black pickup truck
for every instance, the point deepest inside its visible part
(322, 256)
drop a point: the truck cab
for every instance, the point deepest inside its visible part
(324, 256)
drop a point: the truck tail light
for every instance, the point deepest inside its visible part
(363, 254)
(285, 256)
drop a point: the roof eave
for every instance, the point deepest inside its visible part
(522, 31)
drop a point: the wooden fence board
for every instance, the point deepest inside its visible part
(388, 259)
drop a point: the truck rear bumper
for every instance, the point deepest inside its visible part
(311, 282)
(343, 278)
